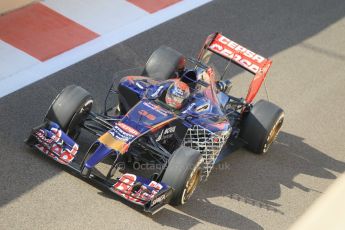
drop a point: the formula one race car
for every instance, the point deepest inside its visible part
(173, 117)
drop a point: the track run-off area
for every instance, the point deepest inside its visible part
(306, 42)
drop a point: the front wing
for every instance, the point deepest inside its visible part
(50, 140)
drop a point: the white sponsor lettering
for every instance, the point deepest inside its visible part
(170, 130)
(155, 94)
(236, 57)
(232, 44)
(241, 49)
(258, 58)
(224, 40)
(158, 200)
(165, 132)
(157, 108)
(128, 129)
(140, 86)
(238, 53)
(202, 107)
(120, 134)
(249, 53)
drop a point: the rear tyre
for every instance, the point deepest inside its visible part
(261, 126)
(163, 63)
(70, 108)
(183, 174)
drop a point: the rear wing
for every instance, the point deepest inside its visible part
(243, 57)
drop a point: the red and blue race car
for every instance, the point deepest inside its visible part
(177, 118)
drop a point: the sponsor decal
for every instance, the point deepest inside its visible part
(157, 108)
(190, 107)
(124, 186)
(128, 129)
(202, 108)
(146, 114)
(231, 50)
(116, 143)
(120, 134)
(140, 86)
(170, 130)
(155, 94)
(165, 133)
(41, 135)
(179, 92)
(55, 149)
(158, 199)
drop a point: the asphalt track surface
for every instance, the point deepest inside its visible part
(305, 39)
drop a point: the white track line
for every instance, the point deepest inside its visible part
(101, 16)
(13, 60)
(21, 79)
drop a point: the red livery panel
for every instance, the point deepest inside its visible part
(235, 52)
(245, 58)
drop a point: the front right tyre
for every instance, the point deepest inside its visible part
(70, 108)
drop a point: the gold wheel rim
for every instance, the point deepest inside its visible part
(192, 183)
(274, 133)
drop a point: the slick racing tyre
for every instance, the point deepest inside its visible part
(70, 108)
(261, 126)
(183, 174)
(163, 63)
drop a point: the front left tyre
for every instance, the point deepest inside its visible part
(183, 174)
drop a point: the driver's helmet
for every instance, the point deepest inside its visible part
(177, 92)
